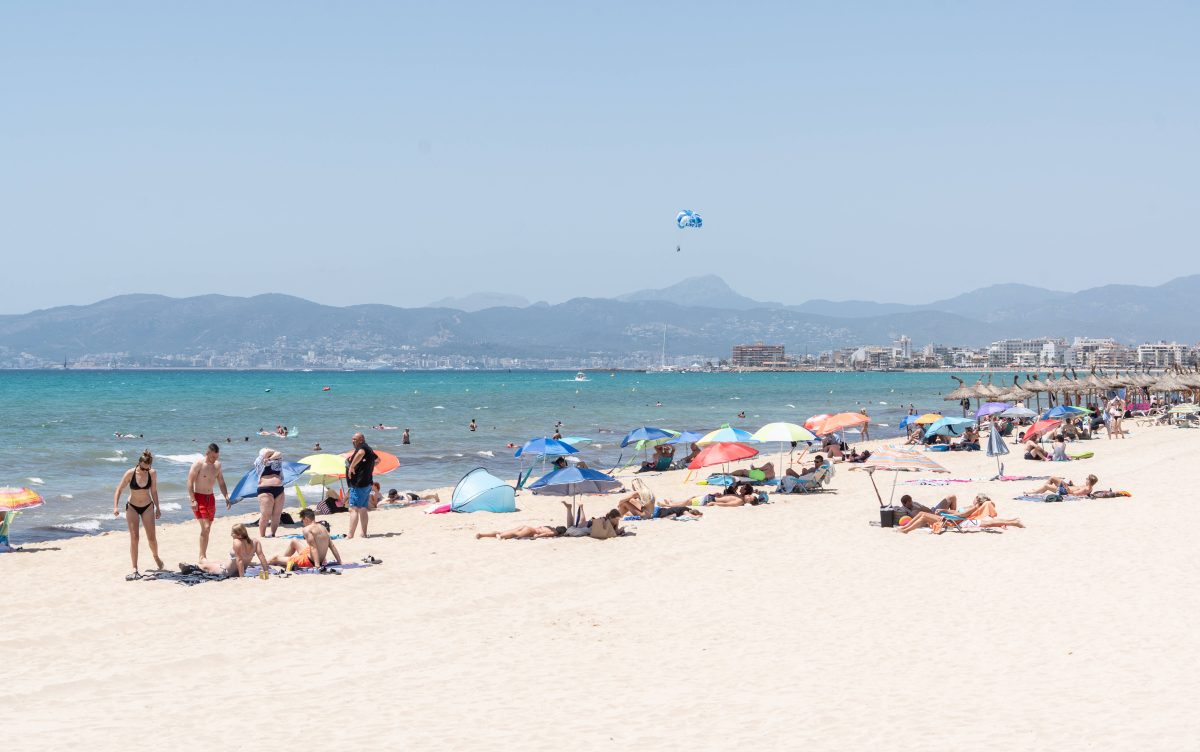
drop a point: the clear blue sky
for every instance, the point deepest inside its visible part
(399, 152)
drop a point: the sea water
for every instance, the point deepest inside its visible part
(58, 429)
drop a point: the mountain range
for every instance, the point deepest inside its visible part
(701, 315)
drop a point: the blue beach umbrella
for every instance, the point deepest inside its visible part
(996, 448)
(908, 420)
(575, 440)
(1066, 411)
(645, 433)
(688, 437)
(546, 447)
(572, 481)
(949, 426)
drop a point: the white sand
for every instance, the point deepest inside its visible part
(787, 626)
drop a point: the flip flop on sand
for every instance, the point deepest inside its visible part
(134, 575)
(371, 560)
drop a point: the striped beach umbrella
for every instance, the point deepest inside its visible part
(725, 434)
(896, 460)
(13, 499)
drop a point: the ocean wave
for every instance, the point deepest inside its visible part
(438, 407)
(83, 526)
(119, 458)
(36, 481)
(183, 459)
(171, 507)
(66, 496)
(486, 453)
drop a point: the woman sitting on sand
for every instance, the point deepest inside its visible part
(142, 482)
(1065, 487)
(525, 531)
(241, 554)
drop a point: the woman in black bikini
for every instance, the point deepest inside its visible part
(142, 483)
(270, 490)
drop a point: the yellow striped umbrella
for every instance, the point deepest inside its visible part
(19, 498)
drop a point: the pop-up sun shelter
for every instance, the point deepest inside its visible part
(480, 491)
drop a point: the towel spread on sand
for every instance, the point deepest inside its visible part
(935, 481)
(1046, 497)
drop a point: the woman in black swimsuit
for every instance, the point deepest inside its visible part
(142, 483)
(270, 490)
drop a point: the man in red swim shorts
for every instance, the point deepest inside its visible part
(205, 474)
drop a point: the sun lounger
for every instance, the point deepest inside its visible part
(811, 484)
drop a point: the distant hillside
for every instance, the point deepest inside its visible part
(705, 316)
(480, 301)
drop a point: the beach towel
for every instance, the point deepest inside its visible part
(404, 504)
(337, 536)
(1024, 477)
(440, 509)
(1048, 498)
(935, 481)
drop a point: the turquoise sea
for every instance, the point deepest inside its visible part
(57, 427)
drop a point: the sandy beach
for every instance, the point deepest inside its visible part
(796, 624)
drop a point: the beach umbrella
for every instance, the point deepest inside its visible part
(721, 453)
(1066, 411)
(687, 437)
(385, 462)
(783, 433)
(574, 480)
(645, 433)
(895, 460)
(815, 421)
(725, 434)
(1018, 411)
(333, 465)
(949, 427)
(908, 420)
(643, 443)
(1183, 409)
(991, 408)
(928, 418)
(1041, 427)
(996, 448)
(960, 393)
(840, 422)
(15, 499)
(546, 447)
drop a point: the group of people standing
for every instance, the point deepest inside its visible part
(143, 507)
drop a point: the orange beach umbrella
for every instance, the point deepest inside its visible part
(12, 499)
(840, 422)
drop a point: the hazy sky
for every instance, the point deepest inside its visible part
(400, 152)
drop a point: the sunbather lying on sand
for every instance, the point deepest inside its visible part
(1064, 487)
(739, 495)
(765, 472)
(525, 531)
(641, 503)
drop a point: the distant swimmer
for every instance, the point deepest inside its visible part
(405, 438)
(742, 414)
(326, 389)
(317, 447)
(120, 435)
(472, 426)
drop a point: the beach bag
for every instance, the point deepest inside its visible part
(1053, 497)
(602, 529)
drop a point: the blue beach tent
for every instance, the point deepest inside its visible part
(480, 491)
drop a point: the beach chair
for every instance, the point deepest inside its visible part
(815, 483)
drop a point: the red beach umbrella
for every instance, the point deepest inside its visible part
(1041, 427)
(720, 453)
(815, 421)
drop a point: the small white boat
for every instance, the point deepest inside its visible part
(581, 376)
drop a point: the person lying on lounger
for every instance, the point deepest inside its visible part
(913, 508)
(641, 503)
(981, 514)
(818, 462)
(526, 532)
(241, 554)
(765, 472)
(1064, 487)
